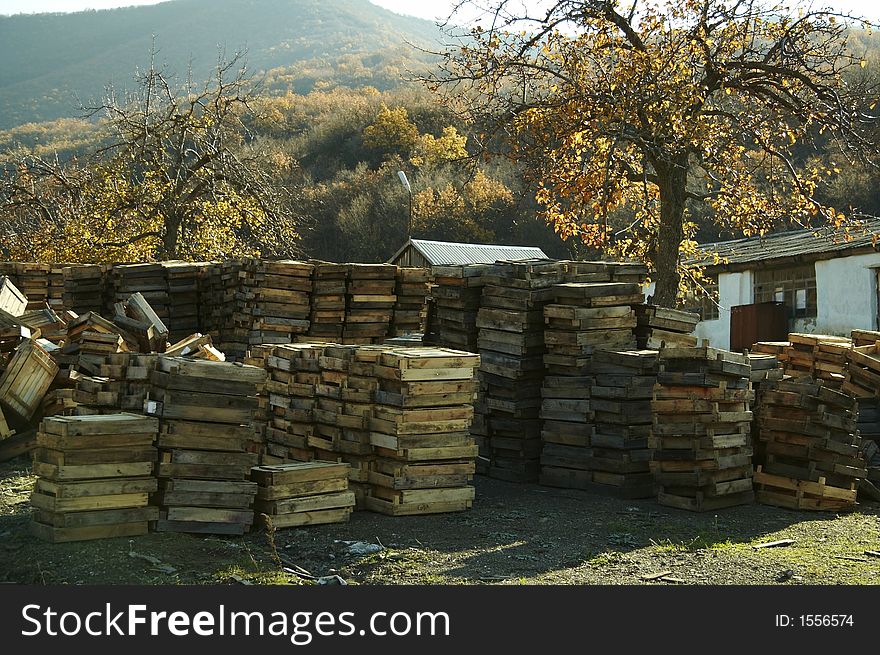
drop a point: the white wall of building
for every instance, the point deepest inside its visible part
(846, 294)
(846, 299)
(733, 289)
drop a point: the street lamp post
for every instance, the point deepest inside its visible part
(406, 185)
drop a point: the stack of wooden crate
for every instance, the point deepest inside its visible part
(218, 306)
(511, 343)
(273, 301)
(183, 279)
(293, 373)
(582, 318)
(480, 424)
(818, 355)
(320, 400)
(567, 428)
(419, 429)
(658, 326)
(90, 338)
(259, 356)
(811, 441)
(210, 299)
(150, 280)
(410, 308)
(207, 430)
(84, 288)
(864, 337)
(329, 379)
(33, 280)
(863, 383)
(55, 293)
(621, 402)
(353, 409)
(587, 317)
(343, 405)
(302, 493)
(455, 301)
(765, 368)
(94, 477)
(327, 309)
(701, 425)
(370, 299)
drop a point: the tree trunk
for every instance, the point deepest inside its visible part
(672, 181)
(171, 235)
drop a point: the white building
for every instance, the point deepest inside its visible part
(828, 280)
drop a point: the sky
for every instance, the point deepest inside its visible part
(429, 9)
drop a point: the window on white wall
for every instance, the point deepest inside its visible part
(702, 299)
(795, 286)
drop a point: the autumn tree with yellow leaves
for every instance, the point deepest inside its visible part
(643, 109)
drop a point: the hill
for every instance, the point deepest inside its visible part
(51, 63)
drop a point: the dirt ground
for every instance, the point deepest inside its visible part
(515, 534)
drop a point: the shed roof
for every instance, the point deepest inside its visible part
(809, 244)
(445, 253)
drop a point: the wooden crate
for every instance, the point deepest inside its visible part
(302, 493)
(26, 379)
(420, 501)
(12, 301)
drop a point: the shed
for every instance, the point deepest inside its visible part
(423, 253)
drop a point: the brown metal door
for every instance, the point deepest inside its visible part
(765, 321)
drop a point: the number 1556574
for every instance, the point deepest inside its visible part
(814, 621)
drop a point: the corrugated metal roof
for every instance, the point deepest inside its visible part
(444, 253)
(811, 242)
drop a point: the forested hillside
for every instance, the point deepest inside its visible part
(50, 63)
(323, 118)
(335, 153)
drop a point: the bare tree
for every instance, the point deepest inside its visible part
(178, 174)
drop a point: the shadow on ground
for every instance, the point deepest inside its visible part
(515, 534)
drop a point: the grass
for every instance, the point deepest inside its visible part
(698, 543)
(604, 559)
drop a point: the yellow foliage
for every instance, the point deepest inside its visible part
(430, 150)
(622, 117)
(460, 213)
(392, 130)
